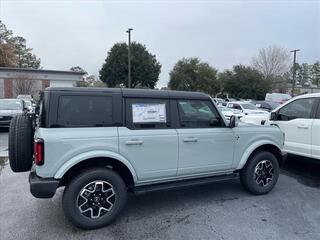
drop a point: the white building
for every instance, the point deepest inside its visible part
(15, 81)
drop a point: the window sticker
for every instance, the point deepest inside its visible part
(149, 113)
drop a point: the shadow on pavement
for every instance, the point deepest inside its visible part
(3, 163)
(305, 170)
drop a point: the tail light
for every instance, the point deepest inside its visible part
(39, 151)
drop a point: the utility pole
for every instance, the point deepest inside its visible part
(19, 57)
(129, 56)
(294, 70)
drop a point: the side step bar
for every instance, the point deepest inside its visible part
(184, 183)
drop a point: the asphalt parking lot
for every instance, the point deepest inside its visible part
(216, 211)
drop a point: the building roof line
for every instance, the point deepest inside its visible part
(43, 71)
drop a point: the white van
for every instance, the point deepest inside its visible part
(277, 97)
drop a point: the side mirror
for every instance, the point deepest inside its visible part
(233, 121)
(273, 116)
(214, 122)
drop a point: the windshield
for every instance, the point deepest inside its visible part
(224, 109)
(248, 106)
(27, 103)
(10, 104)
(273, 105)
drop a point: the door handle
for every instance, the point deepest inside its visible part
(190, 139)
(303, 127)
(134, 142)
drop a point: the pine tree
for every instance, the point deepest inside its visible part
(15, 47)
(315, 73)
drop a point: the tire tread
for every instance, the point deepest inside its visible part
(20, 143)
(75, 185)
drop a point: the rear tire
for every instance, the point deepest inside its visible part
(261, 173)
(21, 143)
(94, 198)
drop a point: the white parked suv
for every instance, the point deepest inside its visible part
(228, 112)
(299, 119)
(245, 107)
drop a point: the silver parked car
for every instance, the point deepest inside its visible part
(10, 108)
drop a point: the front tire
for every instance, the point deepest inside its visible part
(261, 173)
(94, 198)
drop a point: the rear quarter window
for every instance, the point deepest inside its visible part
(84, 111)
(143, 113)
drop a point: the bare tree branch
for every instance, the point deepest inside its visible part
(24, 85)
(272, 61)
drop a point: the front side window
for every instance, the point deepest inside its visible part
(84, 111)
(318, 112)
(301, 108)
(198, 113)
(249, 106)
(235, 106)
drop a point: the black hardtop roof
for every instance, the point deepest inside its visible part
(131, 92)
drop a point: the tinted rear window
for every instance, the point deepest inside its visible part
(84, 111)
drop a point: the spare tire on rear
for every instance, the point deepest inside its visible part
(21, 143)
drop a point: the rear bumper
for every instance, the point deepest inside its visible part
(5, 123)
(42, 187)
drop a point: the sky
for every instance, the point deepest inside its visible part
(223, 33)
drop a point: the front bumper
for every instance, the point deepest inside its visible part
(284, 158)
(42, 187)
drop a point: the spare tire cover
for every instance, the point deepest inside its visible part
(21, 143)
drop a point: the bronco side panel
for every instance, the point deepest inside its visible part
(63, 144)
(153, 153)
(247, 140)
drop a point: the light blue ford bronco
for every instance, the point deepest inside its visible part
(101, 143)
